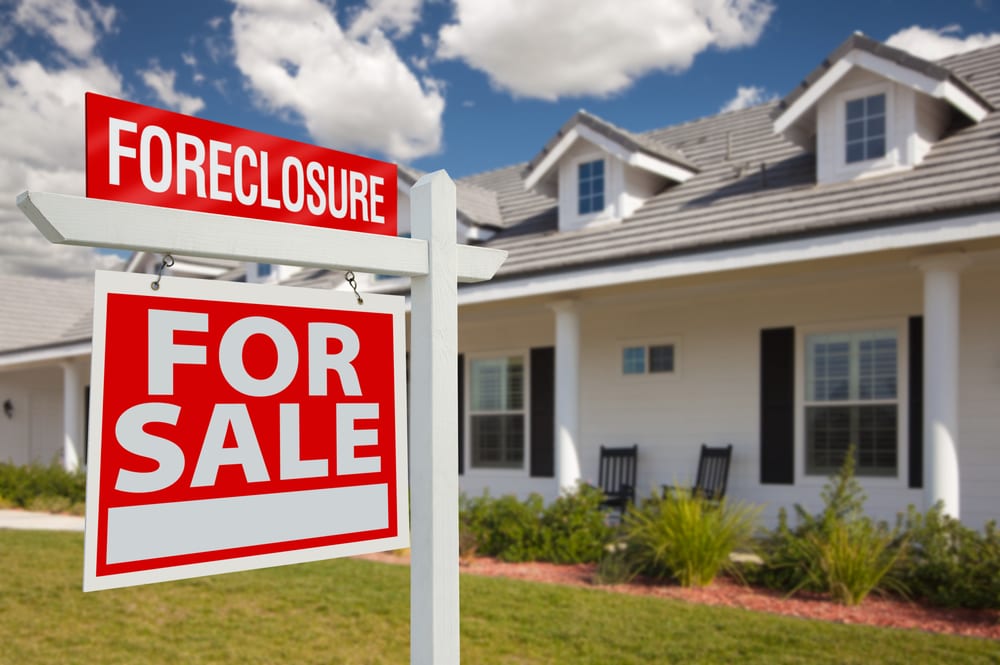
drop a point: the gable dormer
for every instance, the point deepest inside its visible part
(871, 109)
(600, 173)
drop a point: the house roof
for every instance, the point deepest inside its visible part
(756, 186)
(49, 311)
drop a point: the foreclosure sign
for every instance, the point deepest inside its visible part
(240, 426)
(140, 154)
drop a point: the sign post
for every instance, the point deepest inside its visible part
(432, 258)
(434, 614)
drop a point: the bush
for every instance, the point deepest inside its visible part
(950, 564)
(570, 530)
(574, 529)
(686, 537)
(504, 527)
(37, 486)
(839, 551)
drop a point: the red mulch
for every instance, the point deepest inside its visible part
(874, 611)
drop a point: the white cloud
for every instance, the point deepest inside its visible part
(747, 96)
(395, 16)
(42, 122)
(561, 48)
(934, 44)
(163, 82)
(73, 28)
(350, 94)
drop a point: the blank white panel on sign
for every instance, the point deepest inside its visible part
(136, 533)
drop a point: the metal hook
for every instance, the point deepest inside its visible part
(349, 276)
(167, 262)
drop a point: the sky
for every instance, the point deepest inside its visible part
(464, 85)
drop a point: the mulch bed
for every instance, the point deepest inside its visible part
(874, 611)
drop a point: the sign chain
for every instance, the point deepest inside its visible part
(349, 276)
(167, 262)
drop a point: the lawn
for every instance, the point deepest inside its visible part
(352, 611)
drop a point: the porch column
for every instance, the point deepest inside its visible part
(567, 398)
(72, 415)
(941, 344)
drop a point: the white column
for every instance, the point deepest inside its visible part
(72, 415)
(567, 398)
(941, 345)
(434, 614)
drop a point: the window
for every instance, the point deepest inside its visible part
(652, 359)
(497, 412)
(590, 179)
(851, 396)
(865, 128)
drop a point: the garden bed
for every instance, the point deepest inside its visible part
(886, 612)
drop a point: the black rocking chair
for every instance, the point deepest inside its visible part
(616, 476)
(713, 473)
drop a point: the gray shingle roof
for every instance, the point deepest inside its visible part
(36, 311)
(755, 186)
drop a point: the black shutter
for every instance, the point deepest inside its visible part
(777, 406)
(916, 402)
(543, 423)
(461, 413)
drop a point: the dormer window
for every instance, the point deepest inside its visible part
(865, 128)
(871, 109)
(590, 179)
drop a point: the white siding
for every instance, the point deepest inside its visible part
(34, 433)
(500, 330)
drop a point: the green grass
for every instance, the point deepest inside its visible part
(350, 611)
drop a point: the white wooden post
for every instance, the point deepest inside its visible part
(941, 343)
(434, 615)
(72, 415)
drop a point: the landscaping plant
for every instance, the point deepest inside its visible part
(45, 488)
(839, 551)
(950, 564)
(687, 537)
(571, 529)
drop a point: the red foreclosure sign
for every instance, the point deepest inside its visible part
(139, 154)
(239, 426)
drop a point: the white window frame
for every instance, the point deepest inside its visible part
(646, 343)
(604, 179)
(469, 468)
(891, 158)
(899, 325)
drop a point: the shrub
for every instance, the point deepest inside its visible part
(950, 564)
(574, 529)
(570, 530)
(505, 527)
(686, 537)
(839, 551)
(35, 485)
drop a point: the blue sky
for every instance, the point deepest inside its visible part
(465, 85)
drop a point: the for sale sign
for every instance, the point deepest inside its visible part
(140, 154)
(236, 426)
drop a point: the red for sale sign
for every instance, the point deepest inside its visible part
(141, 154)
(240, 426)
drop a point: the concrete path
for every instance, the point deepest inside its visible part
(23, 519)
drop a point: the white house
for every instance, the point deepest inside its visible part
(789, 278)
